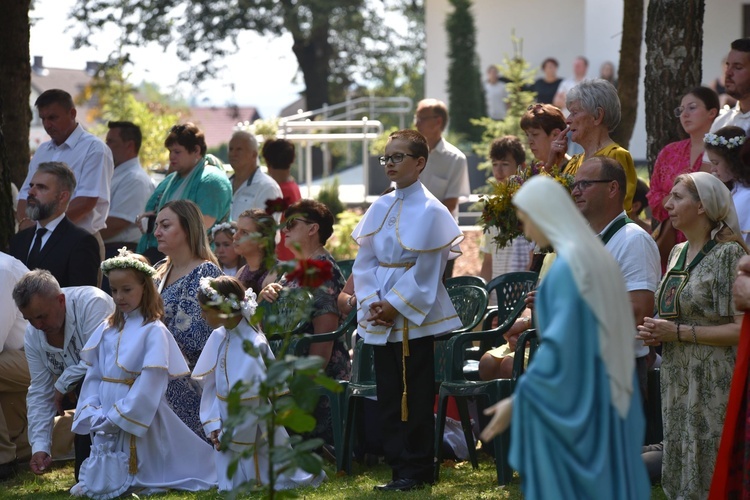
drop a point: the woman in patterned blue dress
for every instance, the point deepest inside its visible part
(182, 238)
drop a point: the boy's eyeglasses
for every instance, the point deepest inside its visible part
(395, 158)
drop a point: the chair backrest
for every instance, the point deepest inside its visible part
(464, 280)
(510, 289)
(531, 338)
(287, 315)
(470, 302)
(300, 346)
(346, 267)
(363, 363)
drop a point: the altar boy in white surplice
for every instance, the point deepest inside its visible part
(138, 442)
(405, 240)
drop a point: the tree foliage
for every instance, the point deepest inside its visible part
(335, 42)
(465, 92)
(118, 102)
(674, 52)
(520, 77)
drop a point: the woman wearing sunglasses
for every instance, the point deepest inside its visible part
(308, 226)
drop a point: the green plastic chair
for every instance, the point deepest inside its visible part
(492, 392)
(286, 316)
(470, 302)
(346, 267)
(289, 315)
(463, 383)
(362, 385)
(301, 345)
(465, 280)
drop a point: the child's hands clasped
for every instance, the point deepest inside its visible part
(382, 313)
(215, 440)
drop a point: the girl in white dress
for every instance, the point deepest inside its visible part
(228, 308)
(138, 442)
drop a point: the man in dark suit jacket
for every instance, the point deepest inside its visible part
(54, 243)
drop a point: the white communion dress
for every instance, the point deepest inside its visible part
(139, 443)
(222, 364)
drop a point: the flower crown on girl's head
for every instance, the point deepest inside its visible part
(719, 141)
(246, 306)
(224, 226)
(125, 260)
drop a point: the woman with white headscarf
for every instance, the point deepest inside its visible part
(577, 419)
(699, 328)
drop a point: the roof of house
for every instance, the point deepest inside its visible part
(218, 123)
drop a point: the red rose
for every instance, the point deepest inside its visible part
(276, 205)
(311, 273)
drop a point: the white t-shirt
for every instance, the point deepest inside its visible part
(91, 162)
(638, 256)
(131, 189)
(254, 194)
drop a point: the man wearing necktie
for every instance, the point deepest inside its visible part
(54, 243)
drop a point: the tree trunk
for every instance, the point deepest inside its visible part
(15, 114)
(674, 52)
(314, 58)
(629, 70)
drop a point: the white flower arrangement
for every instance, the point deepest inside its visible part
(719, 141)
(125, 260)
(246, 306)
(224, 226)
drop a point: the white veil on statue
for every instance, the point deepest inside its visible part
(597, 276)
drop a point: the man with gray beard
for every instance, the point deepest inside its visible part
(54, 243)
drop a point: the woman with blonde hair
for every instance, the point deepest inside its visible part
(181, 236)
(699, 329)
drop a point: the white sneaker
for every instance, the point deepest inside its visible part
(76, 490)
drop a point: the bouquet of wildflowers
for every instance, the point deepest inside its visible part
(497, 209)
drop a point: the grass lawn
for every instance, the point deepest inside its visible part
(458, 482)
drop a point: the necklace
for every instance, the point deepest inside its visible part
(321, 250)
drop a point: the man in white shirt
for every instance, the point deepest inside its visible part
(88, 157)
(599, 191)
(60, 323)
(14, 372)
(737, 84)
(446, 175)
(131, 188)
(251, 186)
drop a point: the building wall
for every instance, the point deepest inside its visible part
(564, 30)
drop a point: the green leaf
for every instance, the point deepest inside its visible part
(297, 420)
(308, 363)
(328, 383)
(309, 462)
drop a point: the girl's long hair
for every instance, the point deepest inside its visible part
(152, 307)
